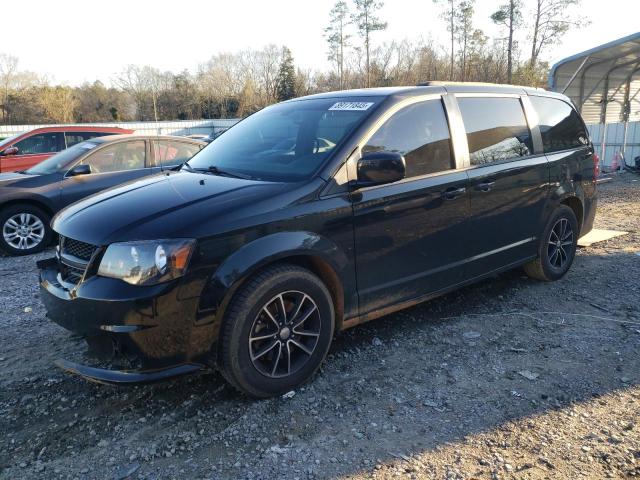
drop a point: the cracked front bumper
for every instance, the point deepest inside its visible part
(150, 327)
(128, 377)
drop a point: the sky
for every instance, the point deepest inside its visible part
(73, 41)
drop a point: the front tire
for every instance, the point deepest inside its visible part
(276, 331)
(557, 247)
(24, 229)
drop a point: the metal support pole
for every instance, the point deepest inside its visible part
(605, 100)
(575, 74)
(626, 109)
(602, 143)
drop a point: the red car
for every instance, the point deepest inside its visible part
(27, 149)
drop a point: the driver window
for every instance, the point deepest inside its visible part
(421, 134)
(118, 157)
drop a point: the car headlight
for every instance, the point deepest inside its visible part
(147, 262)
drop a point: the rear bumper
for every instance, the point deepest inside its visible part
(149, 328)
(590, 205)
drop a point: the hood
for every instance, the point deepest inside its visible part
(14, 182)
(11, 178)
(173, 205)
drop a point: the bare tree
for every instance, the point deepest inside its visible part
(58, 103)
(509, 15)
(142, 84)
(367, 22)
(552, 20)
(8, 70)
(337, 37)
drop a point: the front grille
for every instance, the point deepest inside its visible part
(76, 248)
(71, 274)
(74, 257)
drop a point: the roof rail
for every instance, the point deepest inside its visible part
(444, 83)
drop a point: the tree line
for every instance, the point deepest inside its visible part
(238, 84)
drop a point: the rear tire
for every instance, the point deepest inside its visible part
(276, 331)
(24, 229)
(557, 247)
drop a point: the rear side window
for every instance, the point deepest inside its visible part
(496, 129)
(560, 125)
(76, 137)
(421, 134)
(170, 153)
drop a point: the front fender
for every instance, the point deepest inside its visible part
(13, 198)
(248, 259)
(266, 250)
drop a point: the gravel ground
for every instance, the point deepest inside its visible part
(509, 378)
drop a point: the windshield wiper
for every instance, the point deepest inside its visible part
(216, 171)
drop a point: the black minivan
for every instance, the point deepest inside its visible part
(312, 216)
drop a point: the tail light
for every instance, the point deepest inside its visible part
(596, 166)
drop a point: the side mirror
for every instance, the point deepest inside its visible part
(80, 169)
(381, 167)
(10, 151)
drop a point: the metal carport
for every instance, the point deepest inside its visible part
(604, 84)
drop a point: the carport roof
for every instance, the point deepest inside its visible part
(603, 82)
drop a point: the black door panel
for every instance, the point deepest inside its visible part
(410, 238)
(507, 204)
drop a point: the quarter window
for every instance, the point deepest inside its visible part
(117, 157)
(560, 125)
(496, 129)
(76, 137)
(40, 143)
(420, 133)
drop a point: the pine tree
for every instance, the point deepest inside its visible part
(337, 38)
(286, 83)
(368, 22)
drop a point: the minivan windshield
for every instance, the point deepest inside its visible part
(286, 142)
(61, 161)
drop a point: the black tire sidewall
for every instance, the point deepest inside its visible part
(12, 210)
(551, 272)
(247, 376)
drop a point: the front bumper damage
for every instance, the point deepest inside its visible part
(126, 377)
(147, 326)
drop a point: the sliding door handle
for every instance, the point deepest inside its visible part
(451, 193)
(485, 186)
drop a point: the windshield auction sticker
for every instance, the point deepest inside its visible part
(351, 106)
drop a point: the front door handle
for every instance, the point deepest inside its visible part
(453, 192)
(485, 186)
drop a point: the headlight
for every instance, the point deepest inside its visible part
(147, 262)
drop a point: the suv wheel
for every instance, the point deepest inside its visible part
(557, 246)
(276, 332)
(24, 229)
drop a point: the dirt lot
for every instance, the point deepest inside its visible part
(509, 378)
